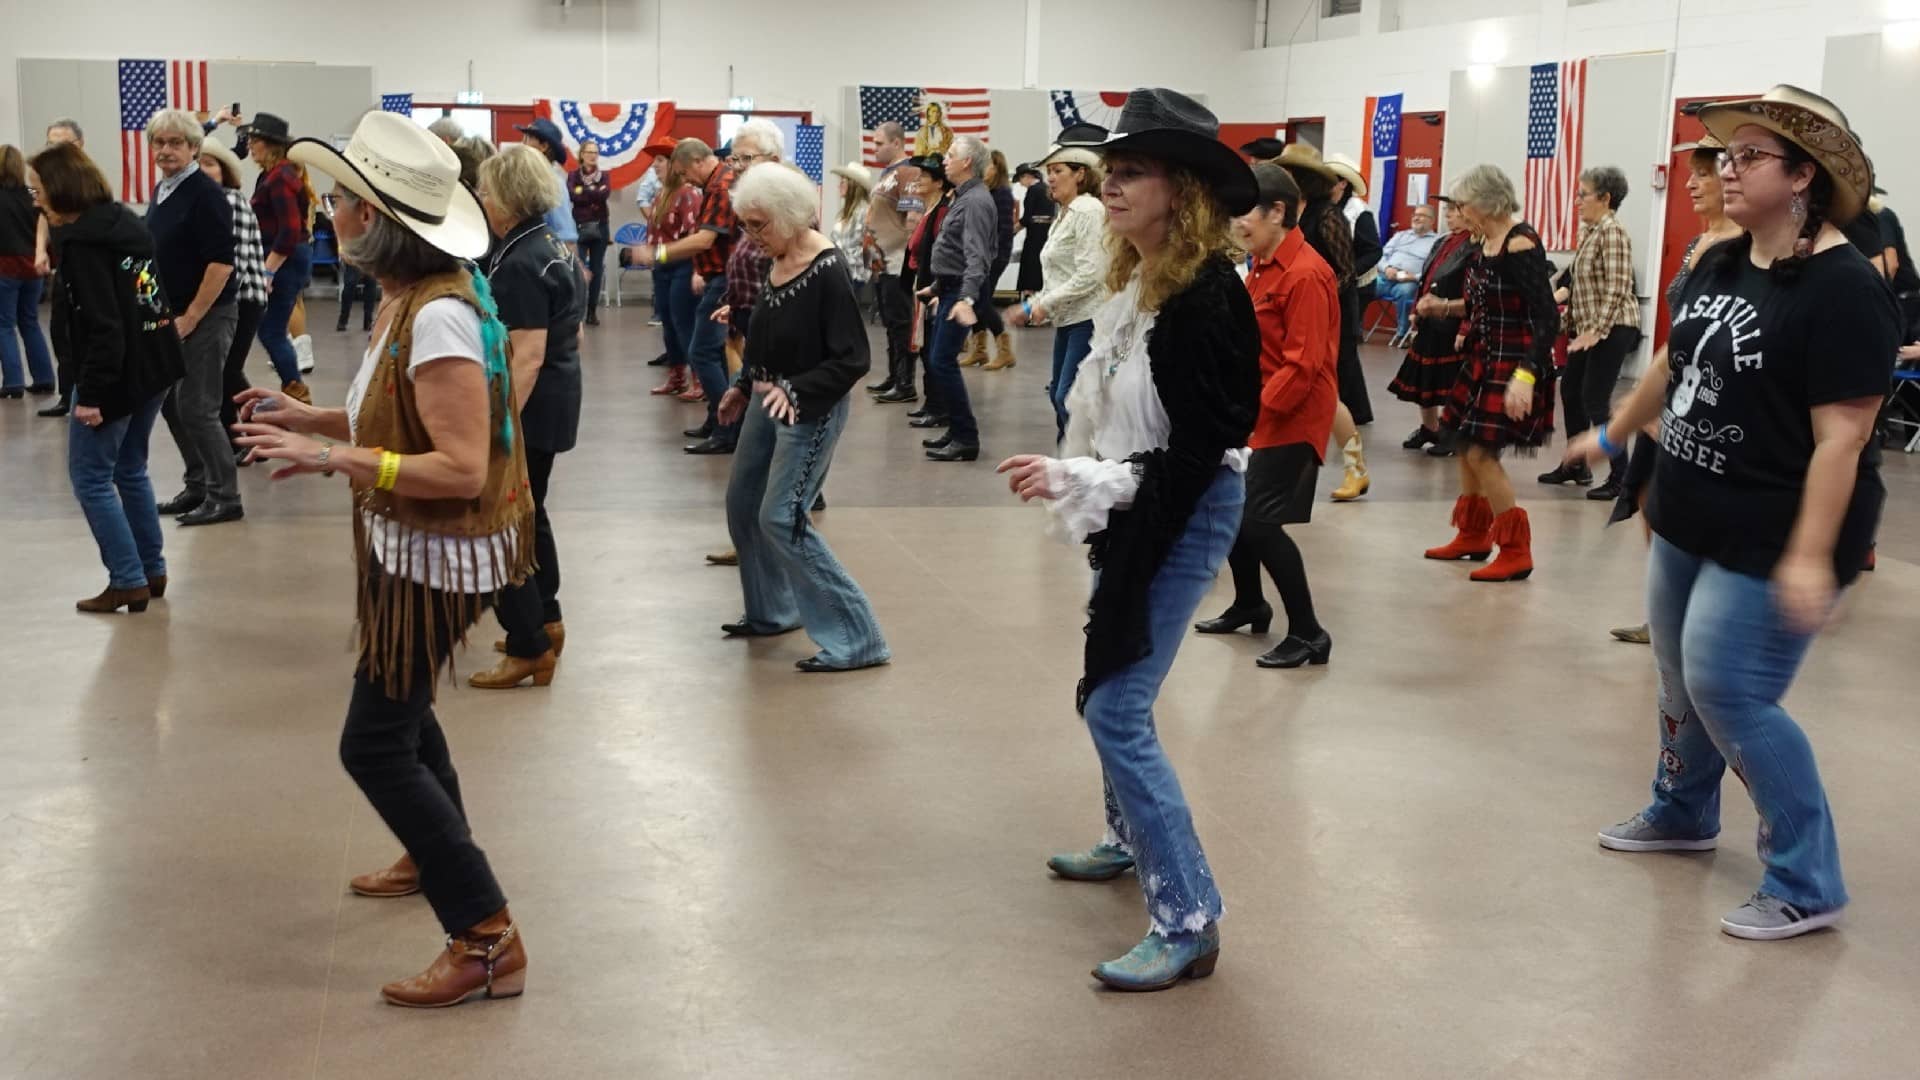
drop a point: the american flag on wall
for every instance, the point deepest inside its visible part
(397, 103)
(810, 151)
(1072, 107)
(146, 87)
(1556, 120)
(962, 112)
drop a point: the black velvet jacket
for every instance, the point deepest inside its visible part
(1204, 352)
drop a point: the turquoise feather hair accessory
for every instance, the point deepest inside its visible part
(493, 339)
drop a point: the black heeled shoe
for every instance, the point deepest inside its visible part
(1295, 652)
(954, 451)
(882, 387)
(929, 421)
(899, 395)
(1260, 618)
(13, 394)
(704, 431)
(937, 444)
(744, 628)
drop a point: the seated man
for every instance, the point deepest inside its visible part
(1400, 266)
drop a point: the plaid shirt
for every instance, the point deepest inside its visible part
(716, 216)
(747, 270)
(280, 205)
(249, 264)
(1602, 294)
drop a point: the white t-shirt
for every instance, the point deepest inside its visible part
(445, 329)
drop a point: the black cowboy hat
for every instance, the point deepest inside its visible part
(1263, 149)
(930, 163)
(1026, 168)
(267, 128)
(1169, 126)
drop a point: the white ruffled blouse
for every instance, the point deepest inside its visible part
(1113, 412)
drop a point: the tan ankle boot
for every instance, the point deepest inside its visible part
(510, 671)
(490, 958)
(1004, 358)
(1356, 480)
(976, 351)
(298, 391)
(400, 879)
(556, 633)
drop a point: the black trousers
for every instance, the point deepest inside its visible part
(1586, 388)
(233, 378)
(526, 609)
(353, 284)
(593, 252)
(396, 752)
(1260, 544)
(894, 296)
(991, 321)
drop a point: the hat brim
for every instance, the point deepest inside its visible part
(1341, 172)
(1218, 165)
(1315, 166)
(859, 180)
(1832, 147)
(462, 234)
(273, 137)
(1071, 155)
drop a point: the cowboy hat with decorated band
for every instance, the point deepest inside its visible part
(1070, 155)
(267, 128)
(1348, 169)
(1811, 123)
(1169, 126)
(1264, 149)
(1704, 142)
(547, 132)
(1303, 156)
(404, 171)
(934, 164)
(856, 174)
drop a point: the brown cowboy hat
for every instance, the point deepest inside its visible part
(1704, 142)
(1301, 155)
(1813, 124)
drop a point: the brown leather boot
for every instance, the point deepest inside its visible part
(113, 600)
(157, 585)
(298, 391)
(488, 958)
(1004, 358)
(510, 671)
(556, 633)
(976, 351)
(400, 879)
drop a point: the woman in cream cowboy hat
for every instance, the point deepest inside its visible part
(850, 228)
(429, 447)
(1765, 494)
(1073, 266)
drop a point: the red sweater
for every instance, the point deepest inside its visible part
(1296, 300)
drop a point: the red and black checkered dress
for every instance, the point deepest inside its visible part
(1511, 322)
(1432, 365)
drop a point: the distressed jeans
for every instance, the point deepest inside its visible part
(1726, 657)
(1147, 813)
(788, 575)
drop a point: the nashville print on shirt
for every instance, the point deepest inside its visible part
(1715, 338)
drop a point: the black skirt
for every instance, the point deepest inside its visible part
(1280, 483)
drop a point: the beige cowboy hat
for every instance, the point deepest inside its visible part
(222, 153)
(1070, 155)
(407, 173)
(856, 174)
(1704, 142)
(1811, 123)
(1301, 155)
(1348, 169)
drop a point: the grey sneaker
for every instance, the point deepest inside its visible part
(1638, 834)
(1769, 918)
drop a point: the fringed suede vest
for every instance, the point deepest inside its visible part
(392, 611)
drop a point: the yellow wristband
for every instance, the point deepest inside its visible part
(389, 471)
(1524, 376)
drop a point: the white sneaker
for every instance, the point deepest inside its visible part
(303, 348)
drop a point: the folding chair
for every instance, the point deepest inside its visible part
(633, 232)
(1383, 313)
(1903, 405)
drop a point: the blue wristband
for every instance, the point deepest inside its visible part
(1606, 444)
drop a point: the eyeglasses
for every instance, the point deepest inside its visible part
(1740, 159)
(748, 159)
(169, 142)
(754, 227)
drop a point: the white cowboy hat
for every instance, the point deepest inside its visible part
(856, 174)
(1348, 169)
(407, 173)
(1070, 155)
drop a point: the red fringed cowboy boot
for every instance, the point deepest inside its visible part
(1473, 518)
(487, 960)
(1515, 537)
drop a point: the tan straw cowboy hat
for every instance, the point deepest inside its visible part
(1813, 124)
(1301, 155)
(407, 173)
(856, 174)
(1348, 169)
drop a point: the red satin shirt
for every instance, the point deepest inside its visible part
(1296, 300)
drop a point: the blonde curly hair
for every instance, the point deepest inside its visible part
(1200, 229)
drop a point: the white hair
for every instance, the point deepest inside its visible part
(765, 134)
(176, 122)
(973, 149)
(783, 193)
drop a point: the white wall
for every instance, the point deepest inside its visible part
(783, 55)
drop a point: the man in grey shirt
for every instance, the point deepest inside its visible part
(961, 257)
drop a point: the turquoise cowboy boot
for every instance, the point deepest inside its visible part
(1104, 863)
(1160, 961)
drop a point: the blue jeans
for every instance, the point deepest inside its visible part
(1071, 344)
(284, 293)
(1726, 657)
(20, 311)
(788, 574)
(673, 302)
(944, 383)
(1147, 814)
(1402, 294)
(707, 354)
(108, 468)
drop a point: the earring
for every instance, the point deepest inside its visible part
(1798, 207)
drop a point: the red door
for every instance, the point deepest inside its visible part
(508, 117)
(1423, 136)
(1682, 223)
(1239, 135)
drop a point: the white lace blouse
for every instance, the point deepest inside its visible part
(1113, 412)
